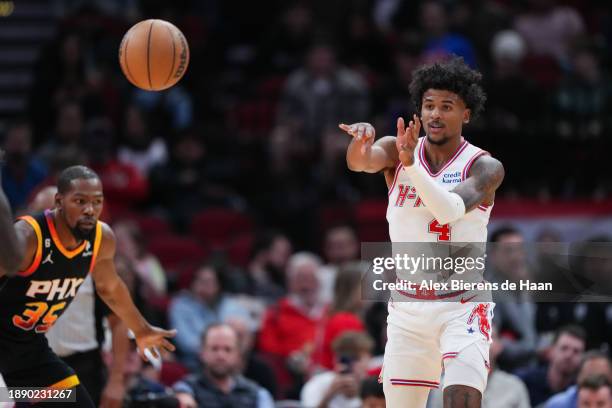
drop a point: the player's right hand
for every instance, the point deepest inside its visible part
(362, 133)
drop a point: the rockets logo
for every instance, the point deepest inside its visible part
(481, 312)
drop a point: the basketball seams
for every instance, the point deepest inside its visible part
(124, 60)
(173, 55)
(149, 54)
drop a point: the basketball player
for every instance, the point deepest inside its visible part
(441, 189)
(43, 261)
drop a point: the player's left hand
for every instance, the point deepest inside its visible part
(112, 395)
(154, 338)
(407, 139)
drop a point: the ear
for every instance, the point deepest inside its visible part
(466, 116)
(58, 200)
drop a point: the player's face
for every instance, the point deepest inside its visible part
(81, 206)
(443, 114)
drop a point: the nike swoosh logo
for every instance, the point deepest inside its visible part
(467, 300)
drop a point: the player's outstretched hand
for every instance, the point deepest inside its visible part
(407, 138)
(362, 132)
(154, 338)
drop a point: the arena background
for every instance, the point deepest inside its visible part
(246, 146)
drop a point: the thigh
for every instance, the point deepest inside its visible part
(411, 367)
(470, 367)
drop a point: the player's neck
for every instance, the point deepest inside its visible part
(437, 155)
(64, 234)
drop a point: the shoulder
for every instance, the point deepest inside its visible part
(28, 231)
(109, 242)
(487, 166)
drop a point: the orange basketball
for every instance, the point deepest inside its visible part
(154, 55)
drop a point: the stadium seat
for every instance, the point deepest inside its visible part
(175, 250)
(217, 226)
(239, 250)
(370, 218)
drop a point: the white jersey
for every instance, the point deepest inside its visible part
(411, 221)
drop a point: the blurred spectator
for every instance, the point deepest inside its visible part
(254, 367)
(183, 186)
(595, 392)
(583, 98)
(504, 390)
(549, 29)
(21, 172)
(594, 363)
(441, 43)
(514, 310)
(289, 327)
(344, 314)
(560, 373)
(219, 384)
(175, 102)
(340, 245)
(143, 385)
(68, 132)
(132, 244)
(124, 187)
(192, 311)
(270, 254)
(340, 388)
(282, 48)
(371, 393)
(322, 94)
(137, 147)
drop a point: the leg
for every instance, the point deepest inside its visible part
(461, 396)
(89, 368)
(411, 368)
(465, 377)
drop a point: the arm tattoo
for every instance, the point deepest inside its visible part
(485, 177)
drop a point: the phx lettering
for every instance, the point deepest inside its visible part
(56, 289)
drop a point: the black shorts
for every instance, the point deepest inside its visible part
(34, 364)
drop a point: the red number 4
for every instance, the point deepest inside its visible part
(443, 231)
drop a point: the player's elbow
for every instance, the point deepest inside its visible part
(354, 165)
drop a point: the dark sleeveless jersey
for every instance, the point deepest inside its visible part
(31, 301)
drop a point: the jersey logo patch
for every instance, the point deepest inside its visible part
(48, 258)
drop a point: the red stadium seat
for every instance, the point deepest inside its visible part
(175, 250)
(152, 225)
(217, 226)
(371, 221)
(239, 251)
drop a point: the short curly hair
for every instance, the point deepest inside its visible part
(453, 75)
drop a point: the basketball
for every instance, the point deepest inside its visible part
(154, 55)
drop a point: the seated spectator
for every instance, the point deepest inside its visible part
(21, 171)
(132, 244)
(560, 373)
(253, 366)
(371, 393)
(270, 253)
(191, 311)
(594, 363)
(514, 310)
(504, 390)
(340, 245)
(218, 384)
(289, 326)
(595, 392)
(344, 315)
(138, 148)
(340, 388)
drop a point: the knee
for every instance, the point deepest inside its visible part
(462, 396)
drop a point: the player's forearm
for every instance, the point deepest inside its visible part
(118, 298)
(11, 252)
(445, 206)
(121, 347)
(357, 160)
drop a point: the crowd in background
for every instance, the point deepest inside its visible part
(229, 193)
